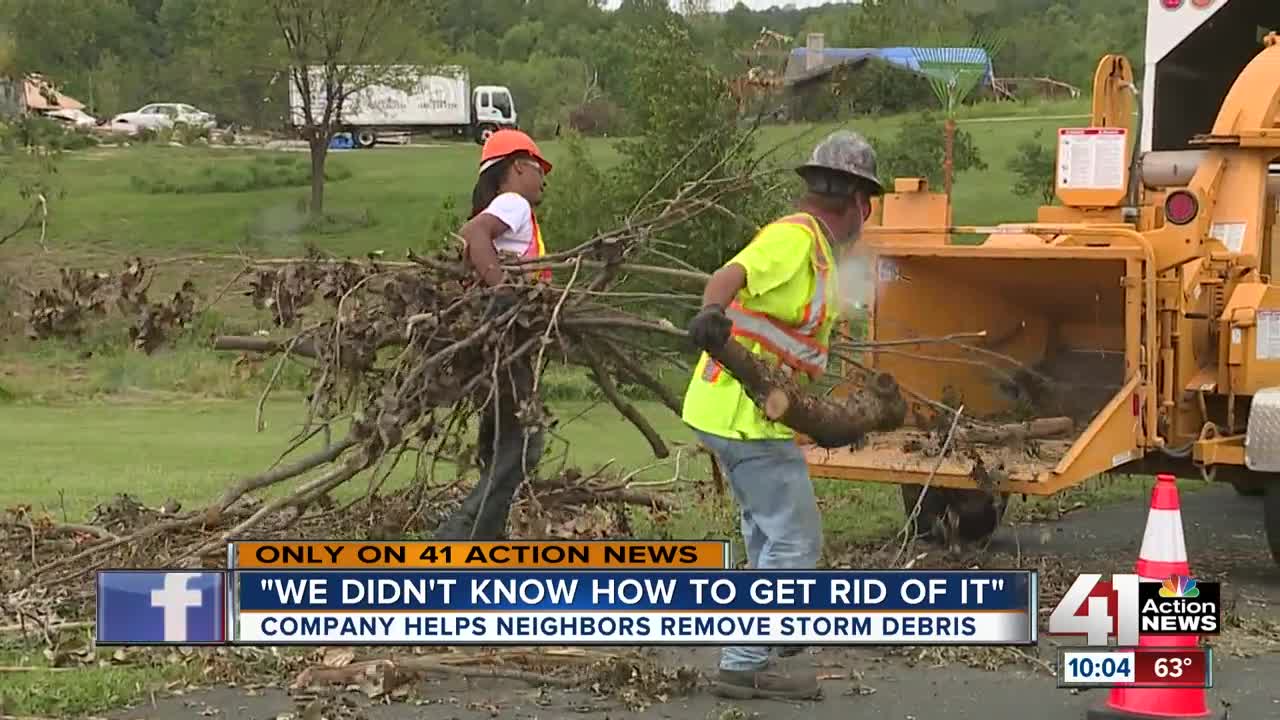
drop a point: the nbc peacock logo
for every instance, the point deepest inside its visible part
(1179, 605)
(1179, 586)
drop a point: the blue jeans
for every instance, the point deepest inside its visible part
(781, 525)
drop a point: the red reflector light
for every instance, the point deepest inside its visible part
(1181, 207)
(1171, 4)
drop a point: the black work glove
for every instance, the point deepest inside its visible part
(834, 443)
(710, 328)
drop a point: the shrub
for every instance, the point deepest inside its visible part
(1034, 165)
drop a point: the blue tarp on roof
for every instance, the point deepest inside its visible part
(916, 59)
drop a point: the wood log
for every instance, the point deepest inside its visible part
(305, 347)
(879, 407)
(1017, 433)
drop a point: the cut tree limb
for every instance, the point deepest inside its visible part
(1038, 429)
(877, 407)
(277, 475)
(610, 390)
(642, 378)
(393, 670)
(304, 347)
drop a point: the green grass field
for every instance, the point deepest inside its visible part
(103, 214)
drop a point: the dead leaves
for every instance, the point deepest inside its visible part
(63, 311)
(287, 291)
(640, 682)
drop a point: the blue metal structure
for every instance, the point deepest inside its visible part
(915, 59)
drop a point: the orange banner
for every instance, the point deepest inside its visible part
(694, 554)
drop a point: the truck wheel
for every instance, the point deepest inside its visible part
(928, 523)
(1249, 487)
(948, 514)
(484, 132)
(365, 139)
(1271, 516)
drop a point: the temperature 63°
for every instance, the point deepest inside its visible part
(1171, 667)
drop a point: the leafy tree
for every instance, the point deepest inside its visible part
(688, 125)
(334, 51)
(919, 148)
(119, 54)
(1035, 166)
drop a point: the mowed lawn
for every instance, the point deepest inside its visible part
(68, 458)
(188, 449)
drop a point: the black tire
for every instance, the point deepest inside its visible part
(364, 139)
(483, 132)
(978, 513)
(928, 523)
(1246, 488)
(1271, 517)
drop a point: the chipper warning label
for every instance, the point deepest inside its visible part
(1091, 158)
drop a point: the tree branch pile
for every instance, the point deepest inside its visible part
(63, 311)
(404, 356)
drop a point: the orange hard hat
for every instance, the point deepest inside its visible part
(504, 143)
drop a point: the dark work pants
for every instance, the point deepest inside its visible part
(501, 475)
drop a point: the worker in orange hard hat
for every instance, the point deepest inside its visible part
(503, 221)
(512, 171)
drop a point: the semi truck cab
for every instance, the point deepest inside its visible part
(492, 109)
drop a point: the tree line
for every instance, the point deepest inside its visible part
(566, 61)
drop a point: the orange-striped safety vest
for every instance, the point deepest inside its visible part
(537, 249)
(797, 346)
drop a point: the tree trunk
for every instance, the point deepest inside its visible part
(878, 407)
(319, 153)
(948, 163)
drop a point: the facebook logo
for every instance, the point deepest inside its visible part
(152, 607)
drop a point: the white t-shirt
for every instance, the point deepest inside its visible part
(512, 209)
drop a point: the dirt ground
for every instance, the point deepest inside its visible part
(1224, 535)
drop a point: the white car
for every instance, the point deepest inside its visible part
(159, 116)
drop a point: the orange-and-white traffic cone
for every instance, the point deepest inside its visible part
(1164, 553)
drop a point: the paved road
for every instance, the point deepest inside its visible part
(1224, 538)
(884, 690)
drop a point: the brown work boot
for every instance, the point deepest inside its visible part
(748, 684)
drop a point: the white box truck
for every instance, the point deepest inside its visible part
(415, 100)
(1195, 49)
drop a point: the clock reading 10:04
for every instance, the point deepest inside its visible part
(1098, 667)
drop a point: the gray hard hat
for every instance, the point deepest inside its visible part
(844, 153)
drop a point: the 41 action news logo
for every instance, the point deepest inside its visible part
(1127, 606)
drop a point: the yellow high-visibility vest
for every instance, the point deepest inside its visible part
(788, 326)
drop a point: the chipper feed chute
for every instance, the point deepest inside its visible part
(1036, 333)
(1033, 340)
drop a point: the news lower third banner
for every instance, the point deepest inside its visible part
(570, 607)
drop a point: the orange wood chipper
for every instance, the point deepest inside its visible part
(1143, 308)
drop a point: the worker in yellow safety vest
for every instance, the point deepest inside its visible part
(778, 298)
(510, 185)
